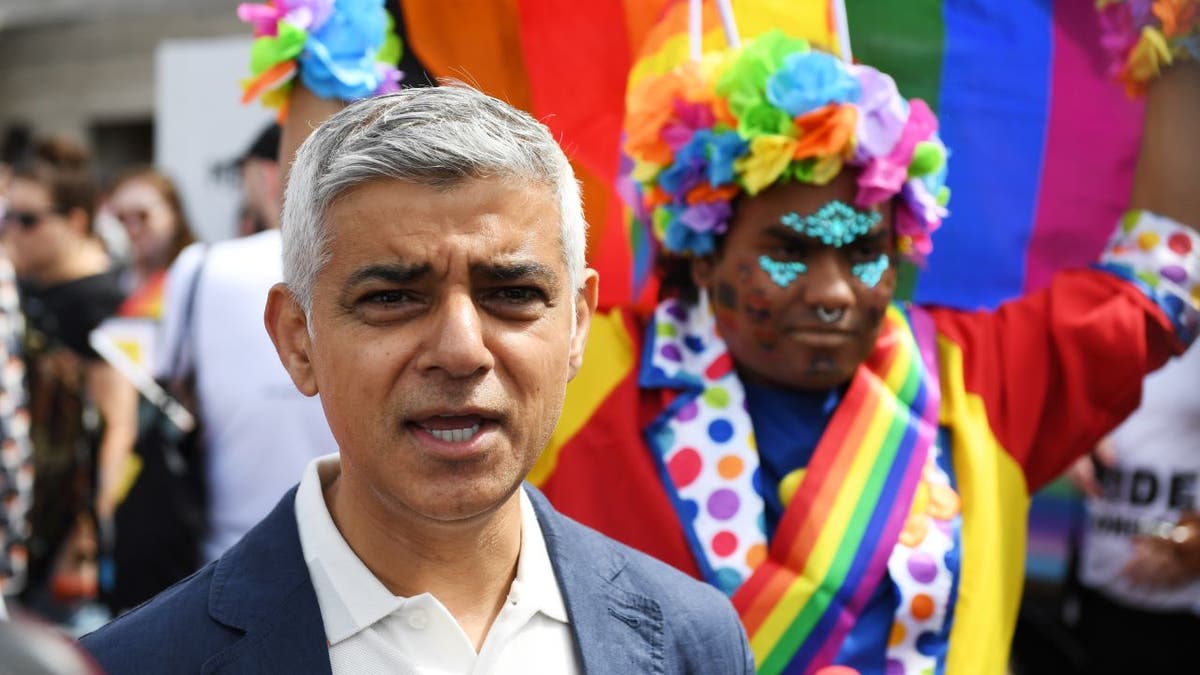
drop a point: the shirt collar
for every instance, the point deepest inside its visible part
(351, 598)
(535, 573)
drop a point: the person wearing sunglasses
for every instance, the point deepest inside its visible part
(82, 412)
(147, 203)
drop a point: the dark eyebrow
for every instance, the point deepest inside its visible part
(396, 273)
(516, 271)
(787, 234)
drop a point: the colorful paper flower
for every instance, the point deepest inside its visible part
(769, 156)
(811, 80)
(342, 49)
(881, 113)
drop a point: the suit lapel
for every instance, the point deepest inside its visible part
(616, 629)
(262, 587)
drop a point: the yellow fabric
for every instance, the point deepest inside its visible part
(995, 504)
(607, 359)
(667, 44)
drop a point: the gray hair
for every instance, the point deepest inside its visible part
(434, 136)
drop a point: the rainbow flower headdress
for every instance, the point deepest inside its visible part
(773, 110)
(342, 49)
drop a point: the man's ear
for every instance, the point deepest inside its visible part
(288, 328)
(585, 306)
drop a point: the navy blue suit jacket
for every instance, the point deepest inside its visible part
(255, 611)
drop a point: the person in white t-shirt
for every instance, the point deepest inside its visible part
(259, 432)
(1139, 565)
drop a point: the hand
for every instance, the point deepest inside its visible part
(1161, 563)
(1082, 473)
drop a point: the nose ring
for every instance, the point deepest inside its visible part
(826, 315)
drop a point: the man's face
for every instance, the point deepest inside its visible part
(796, 311)
(34, 233)
(444, 335)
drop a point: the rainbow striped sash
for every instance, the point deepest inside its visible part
(832, 545)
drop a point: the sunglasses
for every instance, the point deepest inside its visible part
(27, 220)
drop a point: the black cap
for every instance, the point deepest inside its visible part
(265, 146)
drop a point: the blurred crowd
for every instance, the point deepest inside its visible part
(94, 371)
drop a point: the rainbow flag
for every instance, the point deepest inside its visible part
(1043, 144)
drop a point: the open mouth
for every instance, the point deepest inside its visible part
(454, 435)
(452, 428)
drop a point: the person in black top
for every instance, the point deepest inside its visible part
(83, 413)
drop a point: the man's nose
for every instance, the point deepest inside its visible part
(455, 343)
(828, 282)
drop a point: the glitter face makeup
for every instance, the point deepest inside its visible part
(782, 273)
(870, 273)
(836, 224)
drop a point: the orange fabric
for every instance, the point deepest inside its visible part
(480, 46)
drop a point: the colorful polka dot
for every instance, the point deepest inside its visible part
(1147, 277)
(1180, 243)
(678, 311)
(728, 579)
(1148, 241)
(724, 543)
(897, 635)
(1174, 274)
(723, 504)
(666, 330)
(717, 397)
(1130, 220)
(922, 567)
(684, 467)
(893, 667)
(688, 412)
(694, 344)
(671, 352)
(789, 485)
(730, 467)
(931, 644)
(915, 529)
(944, 502)
(688, 509)
(720, 431)
(752, 442)
(922, 607)
(756, 555)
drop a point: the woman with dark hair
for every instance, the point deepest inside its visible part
(148, 205)
(83, 413)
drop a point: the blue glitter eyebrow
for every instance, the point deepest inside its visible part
(872, 272)
(782, 273)
(834, 224)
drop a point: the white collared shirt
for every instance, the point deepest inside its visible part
(372, 631)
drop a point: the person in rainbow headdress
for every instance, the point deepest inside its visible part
(853, 471)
